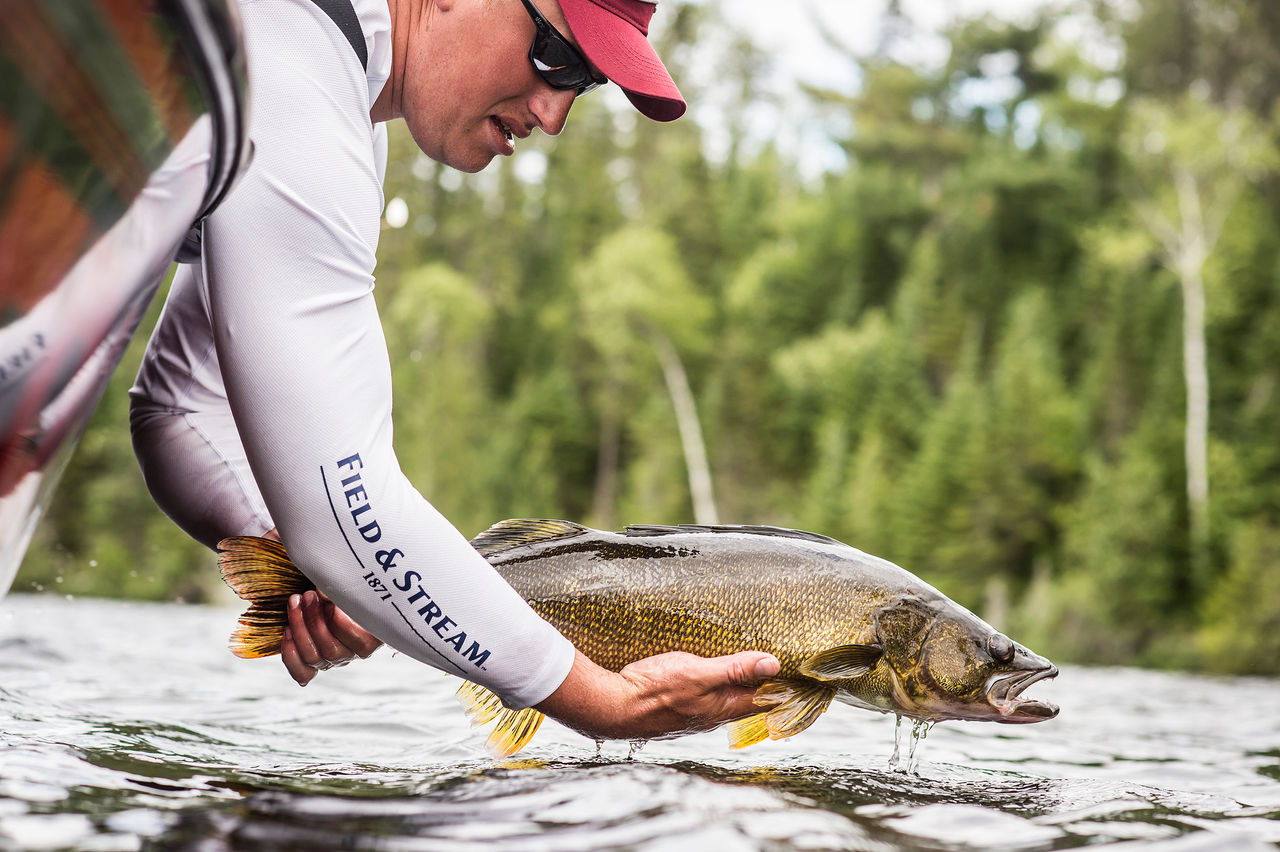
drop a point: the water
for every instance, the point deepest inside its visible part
(129, 726)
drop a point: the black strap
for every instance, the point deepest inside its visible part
(344, 15)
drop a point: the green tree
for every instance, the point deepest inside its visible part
(633, 292)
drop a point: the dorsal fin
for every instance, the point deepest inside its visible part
(780, 532)
(514, 532)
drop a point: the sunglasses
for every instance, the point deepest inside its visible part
(556, 60)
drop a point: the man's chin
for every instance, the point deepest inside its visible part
(472, 165)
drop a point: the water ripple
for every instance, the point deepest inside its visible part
(137, 730)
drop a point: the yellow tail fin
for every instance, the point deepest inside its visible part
(514, 728)
(259, 570)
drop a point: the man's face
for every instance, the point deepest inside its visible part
(468, 81)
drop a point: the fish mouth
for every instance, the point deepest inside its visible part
(1004, 691)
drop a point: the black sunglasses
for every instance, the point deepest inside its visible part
(556, 60)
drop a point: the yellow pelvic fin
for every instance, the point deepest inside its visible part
(514, 728)
(792, 706)
(259, 571)
(748, 731)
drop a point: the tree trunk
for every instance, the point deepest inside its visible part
(1196, 375)
(695, 452)
(1199, 232)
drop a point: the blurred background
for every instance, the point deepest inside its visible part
(994, 296)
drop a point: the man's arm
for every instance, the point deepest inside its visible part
(666, 694)
(288, 275)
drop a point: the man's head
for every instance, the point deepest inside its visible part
(475, 75)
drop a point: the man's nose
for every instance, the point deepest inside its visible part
(551, 108)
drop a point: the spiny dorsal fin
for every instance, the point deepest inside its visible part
(842, 662)
(514, 728)
(780, 532)
(515, 532)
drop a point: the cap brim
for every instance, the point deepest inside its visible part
(624, 55)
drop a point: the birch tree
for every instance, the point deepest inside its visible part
(1189, 163)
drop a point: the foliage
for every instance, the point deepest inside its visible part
(963, 351)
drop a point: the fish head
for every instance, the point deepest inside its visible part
(946, 663)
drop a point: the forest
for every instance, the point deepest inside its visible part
(1023, 341)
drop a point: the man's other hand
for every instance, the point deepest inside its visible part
(321, 636)
(666, 695)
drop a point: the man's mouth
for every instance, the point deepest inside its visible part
(506, 131)
(1004, 692)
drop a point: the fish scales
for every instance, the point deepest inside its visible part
(620, 598)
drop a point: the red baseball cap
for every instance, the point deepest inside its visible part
(614, 36)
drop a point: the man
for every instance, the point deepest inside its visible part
(264, 399)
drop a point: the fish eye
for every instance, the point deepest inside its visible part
(1001, 647)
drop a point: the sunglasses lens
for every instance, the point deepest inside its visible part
(556, 60)
(558, 63)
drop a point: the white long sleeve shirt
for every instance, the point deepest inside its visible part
(267, 383)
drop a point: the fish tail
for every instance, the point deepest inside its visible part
(259, 571)
(514, 728)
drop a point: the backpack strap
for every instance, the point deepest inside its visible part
(344, 15)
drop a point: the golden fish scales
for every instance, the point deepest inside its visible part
(621, 601)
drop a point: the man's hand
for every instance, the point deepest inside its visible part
(321, 636)
(666, 695)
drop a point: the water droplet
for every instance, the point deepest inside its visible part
(919, 730)
(897, 741)
(599, 747)
(636, 745)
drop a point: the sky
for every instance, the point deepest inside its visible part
(790, 32)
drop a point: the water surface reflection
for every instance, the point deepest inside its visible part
(127, 726)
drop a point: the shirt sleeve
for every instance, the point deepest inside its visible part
(288, 265)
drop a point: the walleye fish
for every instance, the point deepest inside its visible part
(845, 625)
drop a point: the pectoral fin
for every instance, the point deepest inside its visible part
(513, 728)
(793, 706)
(842, 662)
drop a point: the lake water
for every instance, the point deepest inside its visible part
(129, 726)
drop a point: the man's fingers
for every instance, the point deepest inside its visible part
(742, 673)
(298, 670)
(749, 667)
(301, 631)
(331, 652)
(320, 636)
